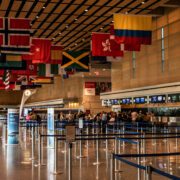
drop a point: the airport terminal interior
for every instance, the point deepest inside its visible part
(89, 89)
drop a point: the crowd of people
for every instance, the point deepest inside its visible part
(104, 117)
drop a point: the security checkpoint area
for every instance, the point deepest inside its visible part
(56, 149)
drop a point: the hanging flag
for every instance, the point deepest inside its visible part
(43, 80)
(31, 69)
(14, 35)
(48, 70)
(102, 45)
(133, 29)
(56, 55)
(11, 61)
(6, 79)
(131, 46)
(78, 60)
(40, 50)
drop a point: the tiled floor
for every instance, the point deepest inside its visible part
(17, 165)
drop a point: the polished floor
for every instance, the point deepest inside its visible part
(16, 162)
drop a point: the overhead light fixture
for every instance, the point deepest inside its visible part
(101, 28)
(76, 19)
(142, 2)
(37, 17)
(44, 7)
(86, 10)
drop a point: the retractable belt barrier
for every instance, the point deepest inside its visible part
(152, 169)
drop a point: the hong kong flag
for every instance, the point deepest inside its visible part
(102, 45)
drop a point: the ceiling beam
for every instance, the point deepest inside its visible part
(57, 27)
(92, 21)
(41, 11)
(31, 9)
(9, 8)
(48, 15)
(20, 8)
(55, 19)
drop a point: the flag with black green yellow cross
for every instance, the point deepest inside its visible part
(77, 60)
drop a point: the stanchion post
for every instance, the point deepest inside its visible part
(139, 159)
(148, 173)
(70, 161)
(39, 149)
(97, 152)
(32, 147)
(56, 157)
(112, 172)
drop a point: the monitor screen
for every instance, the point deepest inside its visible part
(157, 99)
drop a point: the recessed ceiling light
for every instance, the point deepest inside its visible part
(142, 2)
(37, 17)
(44, 7)
(101, 28)
(86, 10)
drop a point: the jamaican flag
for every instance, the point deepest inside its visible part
(77, 60)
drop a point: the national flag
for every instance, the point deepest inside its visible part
(102, 45)
(41, 50)
(43, 80)
(56, 55)
(78, 60)
(11, 61)
(14, 35)
(48, 70)
(131, 46)
(31, 69)
(133, 29)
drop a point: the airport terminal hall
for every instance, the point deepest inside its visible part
(89, 89)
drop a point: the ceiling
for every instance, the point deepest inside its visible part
(70, 22)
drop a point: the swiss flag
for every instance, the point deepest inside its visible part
(102, 45)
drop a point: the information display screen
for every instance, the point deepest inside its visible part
(114, 101)
(174, 97)
(157, 99)
(140, 100)
(126, 101)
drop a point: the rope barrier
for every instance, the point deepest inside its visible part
(147, 155)
(165, 174)
(127, 140)
(162, 173)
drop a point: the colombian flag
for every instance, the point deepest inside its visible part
(133, 29)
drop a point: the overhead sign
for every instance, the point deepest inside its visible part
(89, 89)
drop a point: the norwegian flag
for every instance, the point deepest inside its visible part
(14, 35)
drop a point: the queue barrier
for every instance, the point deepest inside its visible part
(149, 169)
